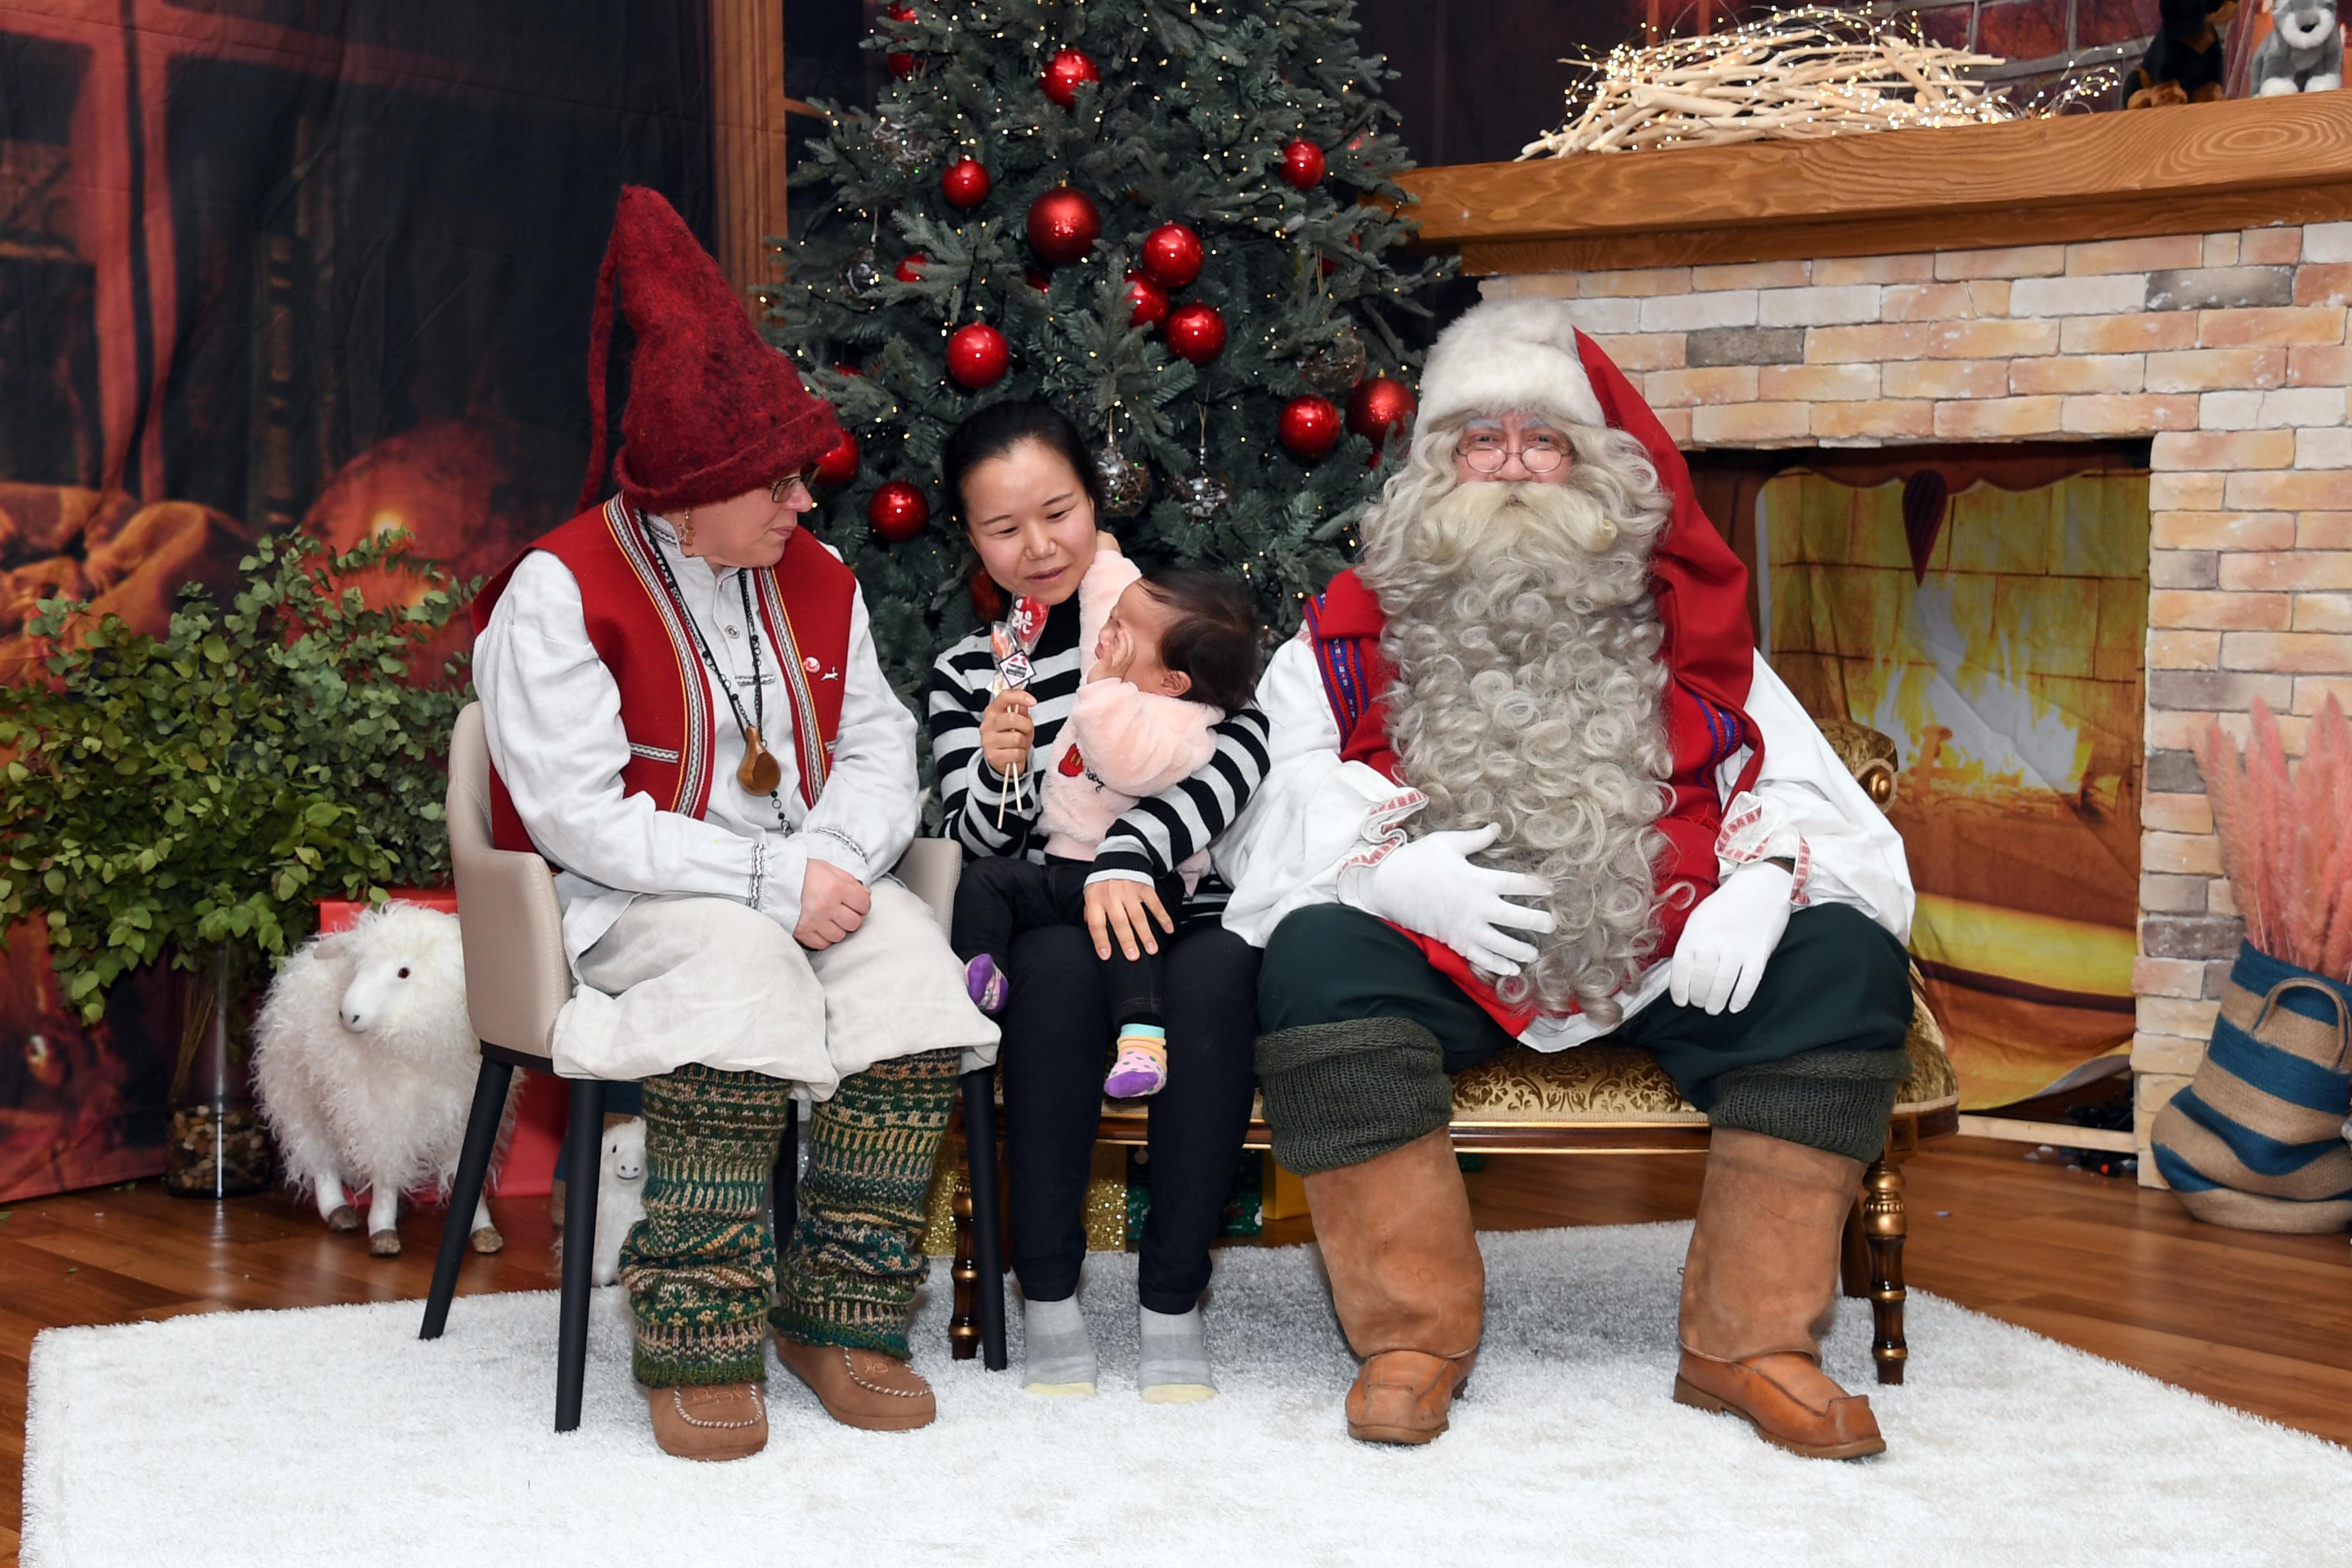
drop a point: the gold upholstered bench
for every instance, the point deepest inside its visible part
(1603, 1099)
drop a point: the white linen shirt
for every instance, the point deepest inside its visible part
(1315, 810)
(553, 713)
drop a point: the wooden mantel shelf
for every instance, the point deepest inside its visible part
(2193, 168)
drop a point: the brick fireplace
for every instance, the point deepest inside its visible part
(1973, 293)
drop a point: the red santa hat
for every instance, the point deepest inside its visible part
(712, 410)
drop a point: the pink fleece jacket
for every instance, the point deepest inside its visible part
(1120, 744)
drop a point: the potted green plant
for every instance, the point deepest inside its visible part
(185, 799)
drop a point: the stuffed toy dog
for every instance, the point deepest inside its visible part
(2184, 62)
(2304, 52)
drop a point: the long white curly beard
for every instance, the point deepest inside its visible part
(1528, 693)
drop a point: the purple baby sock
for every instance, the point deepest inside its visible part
(986, 984)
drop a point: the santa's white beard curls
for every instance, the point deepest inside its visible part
(1528, 692)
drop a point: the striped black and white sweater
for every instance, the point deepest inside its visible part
(1151, 840)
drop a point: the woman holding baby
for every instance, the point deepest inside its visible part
(1086, 761)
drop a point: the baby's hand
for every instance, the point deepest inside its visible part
(1106, 541)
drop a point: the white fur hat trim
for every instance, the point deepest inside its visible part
(1506, 356)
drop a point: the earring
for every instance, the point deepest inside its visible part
(686, 531)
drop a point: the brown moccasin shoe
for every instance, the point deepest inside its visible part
(1403, 1396)
(864, 1389)
(1788, 1399)
(713, 1421)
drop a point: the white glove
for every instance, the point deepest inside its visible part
(1729, 937)
(1430, 886)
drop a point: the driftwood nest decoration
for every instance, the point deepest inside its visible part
(1795, 75)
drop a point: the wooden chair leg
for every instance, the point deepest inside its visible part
(1885, 1226)
(784, 1181)
(964, 1328)
(473, 1170)
(583, 1137)
(1853, 1252)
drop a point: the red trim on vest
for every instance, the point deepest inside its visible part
(1699, 589)
(638, 629)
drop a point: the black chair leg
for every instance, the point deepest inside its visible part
(784, 1182)
(987, 1213)
(584, 1143)
(473, 1170)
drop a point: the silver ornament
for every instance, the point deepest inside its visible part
(908, 146)
(864, 275)
(1334, 370)
(1126, 481)
(1201, 494)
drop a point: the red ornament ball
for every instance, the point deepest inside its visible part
(1379, 406)
(977, 356)
(1196, 331)
(901, 63)
(1036, 279)
(1149, 300)
(1064, 225)
(1065, 72)
(839, 465)
(911, 266)
(1302, 165)
(1172, 255)
(1309, 426)
(966, 183)
(899, 511)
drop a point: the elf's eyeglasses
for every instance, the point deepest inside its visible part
(806, 478)
(1538, 451)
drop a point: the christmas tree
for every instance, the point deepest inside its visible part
(1150, 214)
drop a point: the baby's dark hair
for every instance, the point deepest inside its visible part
(1001, 427)
(1214, 638)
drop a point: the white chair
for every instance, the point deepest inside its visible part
(517, 980)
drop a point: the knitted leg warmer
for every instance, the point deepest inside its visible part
(699, 1267)
(1831, 1098)
(849, 1277)
(1341, 1094)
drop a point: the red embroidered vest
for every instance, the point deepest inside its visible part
(639, 630)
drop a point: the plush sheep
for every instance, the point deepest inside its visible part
(620, 1196)
(364, 1063)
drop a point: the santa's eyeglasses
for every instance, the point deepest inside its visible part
(1538, 451)
(806, 478)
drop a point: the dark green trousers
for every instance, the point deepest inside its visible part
(1814, 1058)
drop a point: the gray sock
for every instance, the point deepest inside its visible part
(1057, 1356)
(1175, 1365)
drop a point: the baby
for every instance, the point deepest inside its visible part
(1175, 650)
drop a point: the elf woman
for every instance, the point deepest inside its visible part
(687, 718)
(1019, 475)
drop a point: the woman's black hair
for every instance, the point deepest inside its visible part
(1214, 638)
(1001, 427)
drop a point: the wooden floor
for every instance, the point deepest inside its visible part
(2262, 1322)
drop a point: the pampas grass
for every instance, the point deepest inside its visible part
(2287, 836)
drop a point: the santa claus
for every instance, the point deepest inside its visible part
(1531, 782)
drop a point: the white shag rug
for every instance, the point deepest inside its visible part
(335, 1435)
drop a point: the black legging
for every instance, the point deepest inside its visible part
(1056, 1044)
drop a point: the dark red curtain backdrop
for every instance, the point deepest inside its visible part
(276, 264)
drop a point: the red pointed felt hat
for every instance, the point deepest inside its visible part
(713, 411)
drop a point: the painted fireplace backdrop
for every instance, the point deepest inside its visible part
(1990, 617)
(269, 265)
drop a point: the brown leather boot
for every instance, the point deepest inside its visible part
(714, 1421)
(1408, 1282)
(1757, 1290)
